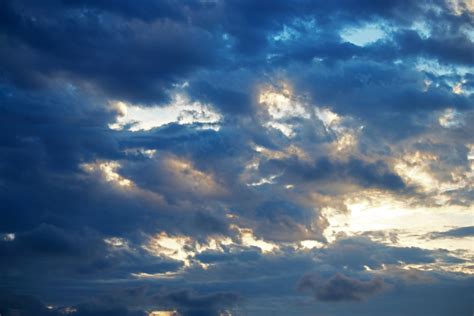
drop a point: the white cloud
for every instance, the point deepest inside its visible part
(362, 36)
(181, 111)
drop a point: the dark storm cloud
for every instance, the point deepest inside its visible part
(58, 127)
(402, 91)
(365, 174)
(229, 100)
(341, 288)
(62, 254)
(137, 51)
(11, 305)
(128, 59)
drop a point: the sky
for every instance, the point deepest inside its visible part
(226, 158)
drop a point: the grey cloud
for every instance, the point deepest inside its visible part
(459, 232)
(191, 304)
(363, 173)
(341, 288)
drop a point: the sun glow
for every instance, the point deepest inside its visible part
(163, 313)
(376, 211)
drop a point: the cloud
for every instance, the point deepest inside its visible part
(359, 252)
(341, 288)
(259, 145)
(459, 232)
(190, 304)
(365, 174)
(22, 305)
(107, 52)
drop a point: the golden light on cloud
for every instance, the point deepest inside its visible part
(415, 168)
(192, 179)
(460, 6)
(345, 141)
(450, 118)
(183, 248)
(279, 106)
(346, 138)
(164, 313)
(108, 171)
(281, 103)
(248, 239)
(174, 247)
(291, 150)
(310, 244)
(457, 88)
(328, 117)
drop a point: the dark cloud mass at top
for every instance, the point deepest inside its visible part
(236, 157)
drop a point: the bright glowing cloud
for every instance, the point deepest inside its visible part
(280, 105)
(363, 35)
(461, 6)
(163, 313)
(108, 171)
(183, 248)
(174, 247)
(379, 212)
(8, 237)
(249, 239)
(180, 111)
